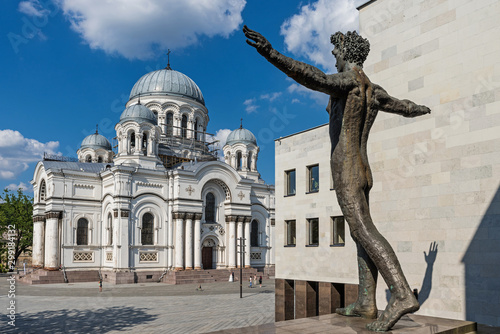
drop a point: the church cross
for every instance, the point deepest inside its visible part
(190, 190)
(168, 64)
(241, 195)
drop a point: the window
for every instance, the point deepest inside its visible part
(110, 225)
(88, 158)
(170, 124)
(132, 140)
(312, 232)
(290, 182)
(82, 232)
(249, 161)
(290, 233)
(99, 159)
(145, 143)
(313, 178)
(238, 160)
(254, 234)
(337, 231)
(196, 130)
(184, 125)
(147, 229)
(210, 208)
(42, 191)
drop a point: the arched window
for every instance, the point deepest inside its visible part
(132, 140)
(184, 125)
(196, 136)
(170, 124)
(82, 232)
(254, 234)
(147, 229)
(145, 143)
(210, 208)
(43, 191)
(249, 161)
(110, 225)
(99, 159)
(88, 158)
(238, 160)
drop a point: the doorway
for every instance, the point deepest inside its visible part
(206, 257)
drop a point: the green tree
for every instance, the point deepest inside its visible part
(16, 226)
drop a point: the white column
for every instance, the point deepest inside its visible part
(244, 163)
(238, 241)
(122, 251)
(38, 241)
(231, 248)
(248, 220)
(271, 241)
(170, 250)
(189, 241)
(52, 240)
(197, 241)
(179, 240)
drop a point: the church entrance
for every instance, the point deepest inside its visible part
(206, 257)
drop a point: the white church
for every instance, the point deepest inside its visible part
(163, 202)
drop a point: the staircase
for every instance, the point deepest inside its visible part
(41, 276)
(207, 276)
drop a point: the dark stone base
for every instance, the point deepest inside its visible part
(334, 323)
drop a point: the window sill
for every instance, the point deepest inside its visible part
(288, 245)
(338, 245)
(312, 192)
(316, 245)
(290, 195)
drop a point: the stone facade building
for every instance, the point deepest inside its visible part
(436, 178)
(163, 202)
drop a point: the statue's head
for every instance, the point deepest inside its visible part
(350, 47)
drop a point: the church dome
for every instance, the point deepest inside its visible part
(139, 114)
(167, 82)
(241, 135)
(96, 141)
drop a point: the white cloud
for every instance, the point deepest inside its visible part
(295, 101)
(17, 152)
(250, 106)
(221, 137)
(135, 29)
(23, 186)
(307, 34)
(271, 97)
(32, 8)
(319, 98)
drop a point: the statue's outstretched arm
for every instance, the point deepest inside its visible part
(303, 73)
(383, 101)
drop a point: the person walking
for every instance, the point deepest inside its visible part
(260, 281)
(250, 281)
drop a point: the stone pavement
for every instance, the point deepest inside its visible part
(136, 308)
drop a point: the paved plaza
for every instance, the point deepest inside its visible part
(137, 308)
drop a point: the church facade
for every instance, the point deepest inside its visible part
(163, 201)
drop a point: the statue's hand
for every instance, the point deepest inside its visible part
(259, 42)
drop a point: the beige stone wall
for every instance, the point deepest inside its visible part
(322, 263)
(437, 177)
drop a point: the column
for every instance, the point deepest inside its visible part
(197, 240)
(122, 251)
(248, 220)
(38, 241)
(51, 261)
(138, 143)
(244, 163)
(239, 221)
(271, 242)
(231, 247)
(189, 240)
(179, 240)
(170, 250)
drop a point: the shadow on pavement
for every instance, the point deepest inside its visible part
(80, 321)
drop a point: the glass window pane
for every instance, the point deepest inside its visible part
(82, 232)
(313, 178)
(290, 182)
(147, 229)
(210, 208)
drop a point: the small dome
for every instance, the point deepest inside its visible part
(241, 136)
(96, 141)
(138, 113)
(167, 82)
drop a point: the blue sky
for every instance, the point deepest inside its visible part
(68, 65)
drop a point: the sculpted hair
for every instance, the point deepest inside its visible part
(354, 47)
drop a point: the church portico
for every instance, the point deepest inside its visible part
(161, 202)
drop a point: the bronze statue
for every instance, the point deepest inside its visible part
(353, 106)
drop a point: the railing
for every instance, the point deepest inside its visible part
(53, 157)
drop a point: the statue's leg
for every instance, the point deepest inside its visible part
(357, 213)
(366, 304)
